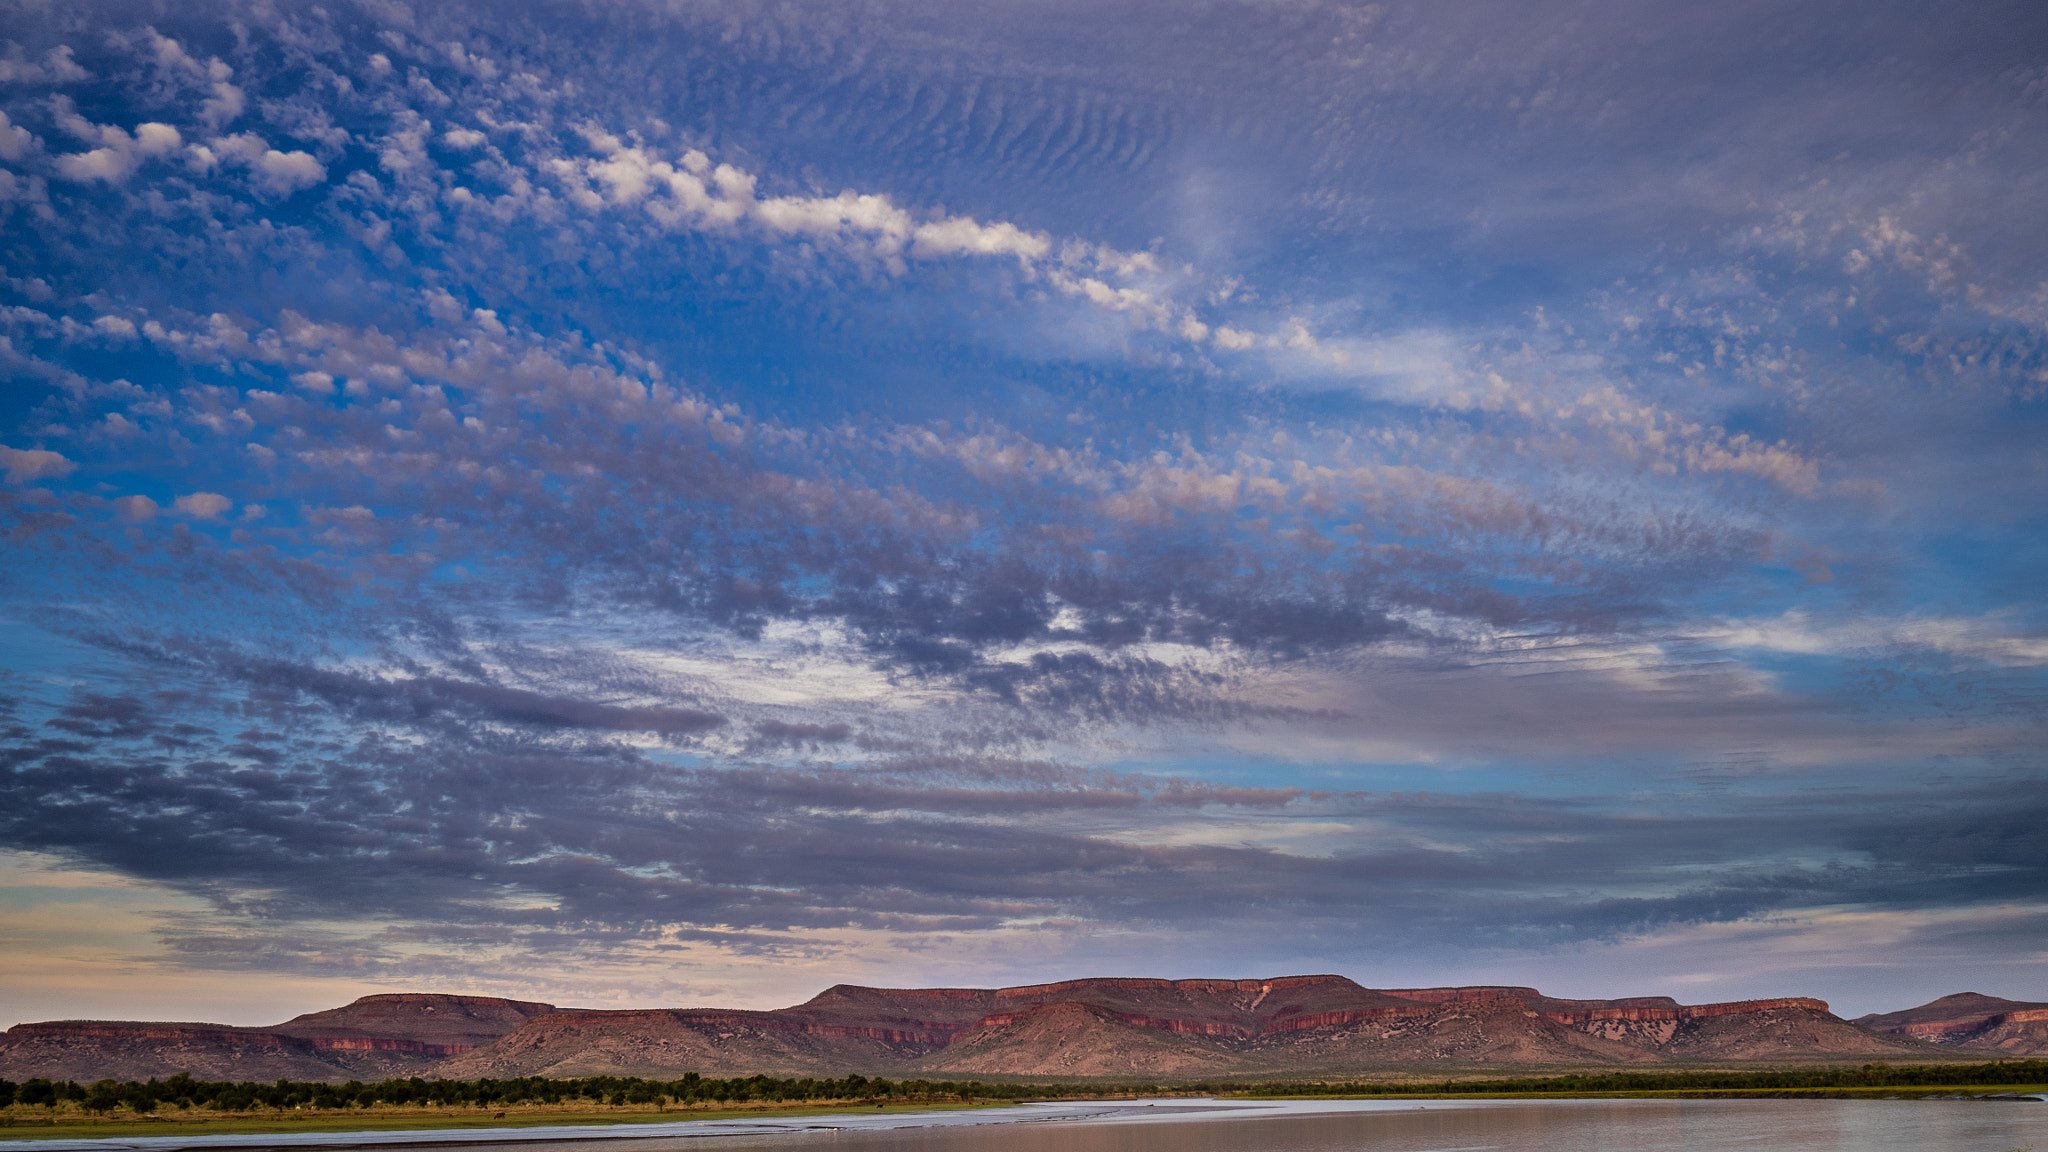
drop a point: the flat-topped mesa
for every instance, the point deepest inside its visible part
(89, 1050)
(1518, 992)
(1202, 1007)
(1467, 992)
(227, 1035)
(1233, 1009)
(1226, 990)
(432, 1001)
(1570, 1012)
(918, 1009)
(148, 1030)
(1676, 1011)
(453, 1022)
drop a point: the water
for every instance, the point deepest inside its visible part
(1258, 1126)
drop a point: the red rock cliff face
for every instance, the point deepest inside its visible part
(1943, 1031)
(1682, 1012)
(1158, 1023)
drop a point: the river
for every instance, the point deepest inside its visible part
(1253, 1126)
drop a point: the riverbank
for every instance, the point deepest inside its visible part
(35, 1123)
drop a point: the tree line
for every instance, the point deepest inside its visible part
(1868, 1076)
(182, 1091)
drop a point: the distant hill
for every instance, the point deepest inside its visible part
(1126, 1028)
(1971, 1020)
(405, 1034)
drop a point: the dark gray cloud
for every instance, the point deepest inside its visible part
(429, 820)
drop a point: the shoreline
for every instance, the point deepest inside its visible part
(74, 1126)
(512, 1126)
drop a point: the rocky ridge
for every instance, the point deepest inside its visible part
(1971, 1020)
(1131, 1028)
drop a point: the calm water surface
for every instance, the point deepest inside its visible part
(1261, 1126)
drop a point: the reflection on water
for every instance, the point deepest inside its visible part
(1511, 1126)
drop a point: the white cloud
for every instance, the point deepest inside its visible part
(15, 141)
(119, 154)
(223, 106)
(1994, 638)
(25, 464)
(135, 509)
(171, 55)
(154, 139)
(202, 505)
(464, 138)
(962, 235)
(224, 101)
(272, 171)
(56, 67)
(109, 164)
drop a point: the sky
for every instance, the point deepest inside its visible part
(636, 503)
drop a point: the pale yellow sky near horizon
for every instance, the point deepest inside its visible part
(84, 945)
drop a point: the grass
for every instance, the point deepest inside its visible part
(36, 1123)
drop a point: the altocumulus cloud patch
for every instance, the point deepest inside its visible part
(1380, 490)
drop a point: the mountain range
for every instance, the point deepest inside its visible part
(1121, 1028)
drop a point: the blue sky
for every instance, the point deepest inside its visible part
(636, 504)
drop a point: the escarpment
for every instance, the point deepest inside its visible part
(1124, 1027)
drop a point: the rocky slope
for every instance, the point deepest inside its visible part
(1971, 1020)
(1306, 1026)
(666, 1043)
(377, 1036)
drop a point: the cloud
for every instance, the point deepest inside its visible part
(121, 153)
(826, 490)
(224, 101)
(274, 172)
(202, 505)
(2000, 639)
(15, 141)
(55, 67)
(135, 509)
(456, 826)
(27, 465)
